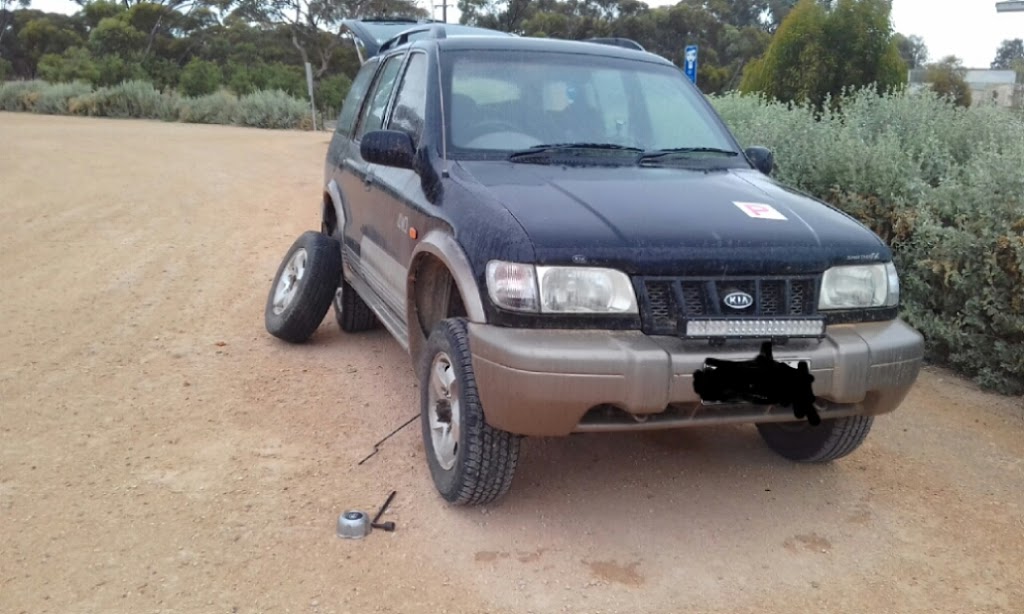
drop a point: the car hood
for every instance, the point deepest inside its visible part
(658, 221)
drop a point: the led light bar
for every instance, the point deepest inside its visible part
(755, 328)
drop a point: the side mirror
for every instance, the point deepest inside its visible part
(762, 159)
(388, 147)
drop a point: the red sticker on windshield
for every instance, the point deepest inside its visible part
(760, 211)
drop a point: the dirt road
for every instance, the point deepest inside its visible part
(159, 452)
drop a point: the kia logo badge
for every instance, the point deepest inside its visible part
(738, 300)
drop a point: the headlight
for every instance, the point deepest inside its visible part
(860, 286)
(550, 289)
(585, 290)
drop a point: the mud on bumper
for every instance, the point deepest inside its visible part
(555, 382)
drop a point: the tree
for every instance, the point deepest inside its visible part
(314, 24)
(822, 48)
(795, 66)
(95, 12)
(729, 32)
(912, 50)
(947, 79)
(778, 10)
(1008, 51)
(7, 8)
(859, 35)
(199, 78)
(75, 64)
(504, 15)
(116, 36)
(47, 34)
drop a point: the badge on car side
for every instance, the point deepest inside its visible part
(738, 300)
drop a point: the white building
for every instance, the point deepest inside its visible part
(987, 86)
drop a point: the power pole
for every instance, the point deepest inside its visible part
(444, 10)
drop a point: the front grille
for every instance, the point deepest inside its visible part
(661, 309)
(668, 302)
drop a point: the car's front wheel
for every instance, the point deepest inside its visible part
(832, 439)
(471, 463)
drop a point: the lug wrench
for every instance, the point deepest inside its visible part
(384, 526)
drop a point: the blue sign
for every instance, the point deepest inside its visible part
(690, 65)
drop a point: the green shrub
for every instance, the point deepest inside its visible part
(169, 109)
(199, 78)
(272, 109)
(218, 108)
(942, 186)
(274, 76)
(332, 92)
(6, 69)
(137, 99)
(19, 95)
(114, 70)
(54, 98)
(75, 64)
(163, 74)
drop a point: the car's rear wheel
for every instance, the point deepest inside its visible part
(834, 438)
(303, 286)
(471, 463)
(351, 311)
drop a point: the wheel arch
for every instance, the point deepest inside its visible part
(428, 296)
(333, 211)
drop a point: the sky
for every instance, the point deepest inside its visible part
(969, 29)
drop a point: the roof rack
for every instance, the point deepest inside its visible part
(617, 41)
(397, 20)
(435, 30)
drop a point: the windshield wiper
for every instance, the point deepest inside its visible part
(550, 148)
(664, 153)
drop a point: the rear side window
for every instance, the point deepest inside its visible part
(410, 104)
(350, 107)
(373, 113)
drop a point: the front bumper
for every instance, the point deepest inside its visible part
(555, 382)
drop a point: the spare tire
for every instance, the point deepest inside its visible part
(303, 287)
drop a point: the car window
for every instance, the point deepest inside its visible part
(484, 90)
(510, 100)
(373, 113)
(661, 94)
(612, 98)
(410, 104)
(354, 98)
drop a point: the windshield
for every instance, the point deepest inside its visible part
(503, 102)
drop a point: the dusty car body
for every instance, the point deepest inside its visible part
(566, 238)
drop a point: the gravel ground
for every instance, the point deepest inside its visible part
(160, 452)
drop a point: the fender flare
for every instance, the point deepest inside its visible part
(339, 209)
(442, 245)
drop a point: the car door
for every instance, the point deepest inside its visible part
(359, 187)
(340, 170)
(401, 204)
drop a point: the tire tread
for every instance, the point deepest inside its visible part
(488, 464)
(831, 440)
(355, 316)
(301, 319)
